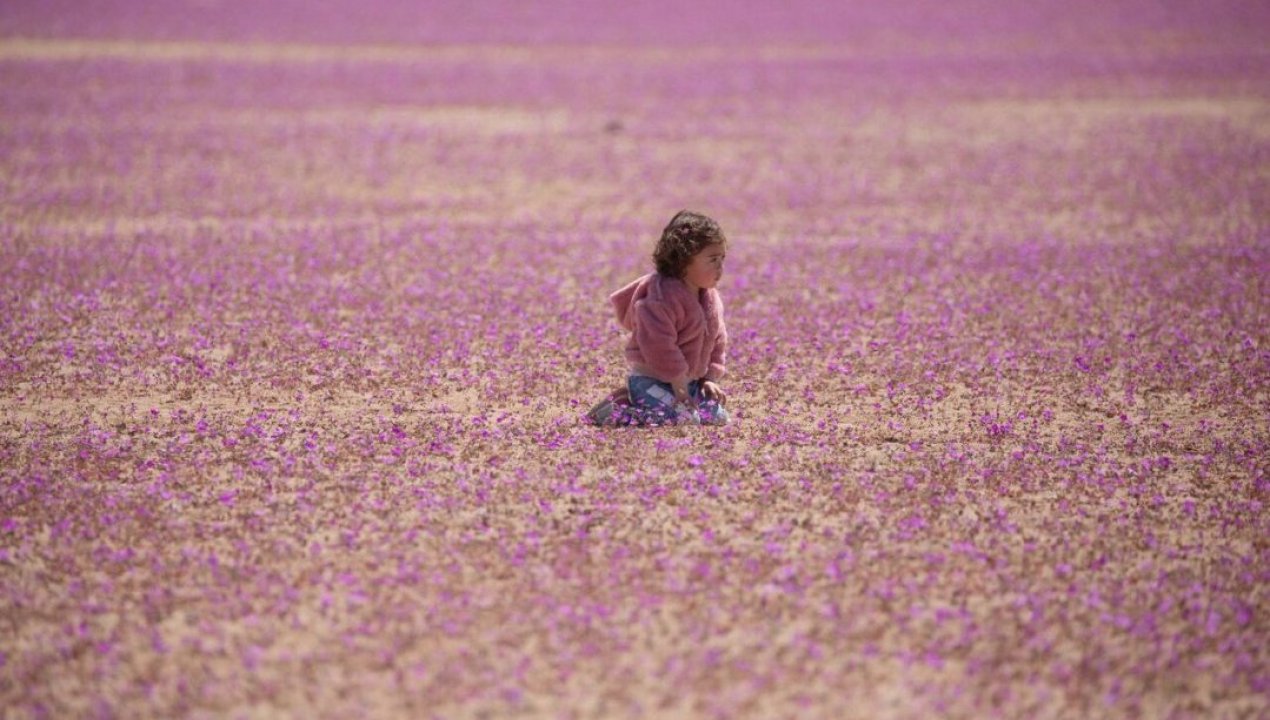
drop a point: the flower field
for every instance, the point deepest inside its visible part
(300, 313)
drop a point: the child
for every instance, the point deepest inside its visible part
(678, 339)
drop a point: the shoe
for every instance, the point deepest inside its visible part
(605, 412)
(602, 413)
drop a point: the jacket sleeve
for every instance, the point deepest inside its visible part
(657, 336)
(719, 355)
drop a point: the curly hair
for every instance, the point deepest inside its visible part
(687, 234)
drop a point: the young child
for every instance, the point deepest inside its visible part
(678, 341)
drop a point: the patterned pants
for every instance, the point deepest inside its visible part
(650, 402)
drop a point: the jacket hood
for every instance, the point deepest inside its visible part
(624, 300)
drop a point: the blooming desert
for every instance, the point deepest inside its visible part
(301, 314)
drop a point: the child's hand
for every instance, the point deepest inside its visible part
(712, 391)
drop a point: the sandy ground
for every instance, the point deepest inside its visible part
(296, 341)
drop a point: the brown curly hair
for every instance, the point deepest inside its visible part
(687, 234)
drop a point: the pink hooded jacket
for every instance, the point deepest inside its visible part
(677, 336)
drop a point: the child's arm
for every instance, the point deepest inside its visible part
(718, 356)
(710, 388)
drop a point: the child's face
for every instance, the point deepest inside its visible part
(706, 267)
